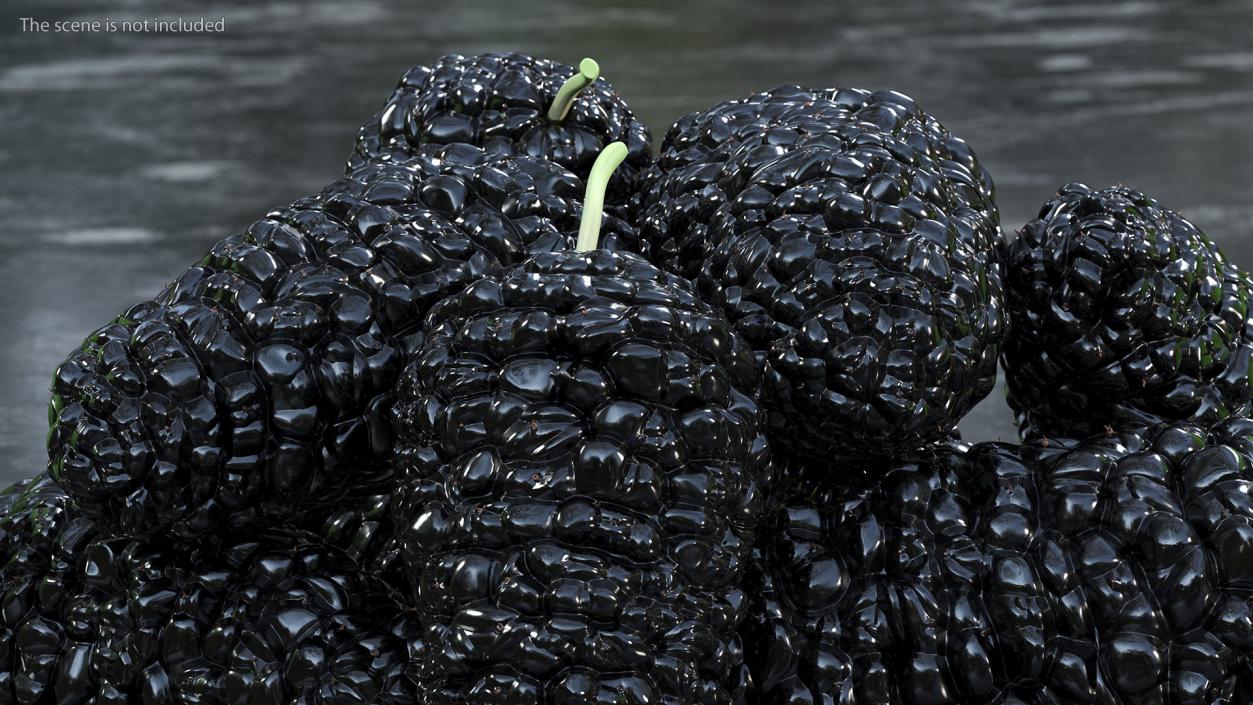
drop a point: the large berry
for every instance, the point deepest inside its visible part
(500, 102)
(255, 388)
(1122, 311)
(1116, 570)
(852, 240)
(579, 455)
(275, 618)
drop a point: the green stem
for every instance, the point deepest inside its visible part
(587, 74)
(594, 199)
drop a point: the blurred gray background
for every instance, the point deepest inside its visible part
(124, 156)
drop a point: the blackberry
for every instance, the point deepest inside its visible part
(852, 240)
(578, 455)
(255, 388)
(1122, 312)
(93, 618)
(1117, 569)
(509, 103)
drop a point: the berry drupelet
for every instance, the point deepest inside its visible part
(852, 240)
(578, 451)
(1122, 312)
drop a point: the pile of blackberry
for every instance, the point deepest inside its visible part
(1107, 559)
(241, 420)
(513, 412)
(256, 386)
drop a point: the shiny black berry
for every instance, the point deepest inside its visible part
(852, 240)
(579, 454)
(1122, 311)
(508, 103)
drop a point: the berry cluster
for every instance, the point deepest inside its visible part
(513, 412)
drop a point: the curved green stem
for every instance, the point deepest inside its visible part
(594, 199)
(587, 74)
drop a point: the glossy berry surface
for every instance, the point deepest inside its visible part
(499, 102)
(851, 239)
(256, 386)
(1116, 570)
(273, 618)
(1122, 310)
(361, 528)
(579, 450)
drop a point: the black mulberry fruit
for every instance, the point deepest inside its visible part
(1122, 312)
(578, 453)
(255, 387)
(853, 241)
(1116, 570)
(509, 103)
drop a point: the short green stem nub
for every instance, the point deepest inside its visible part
(594, 199)
(588, 72)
